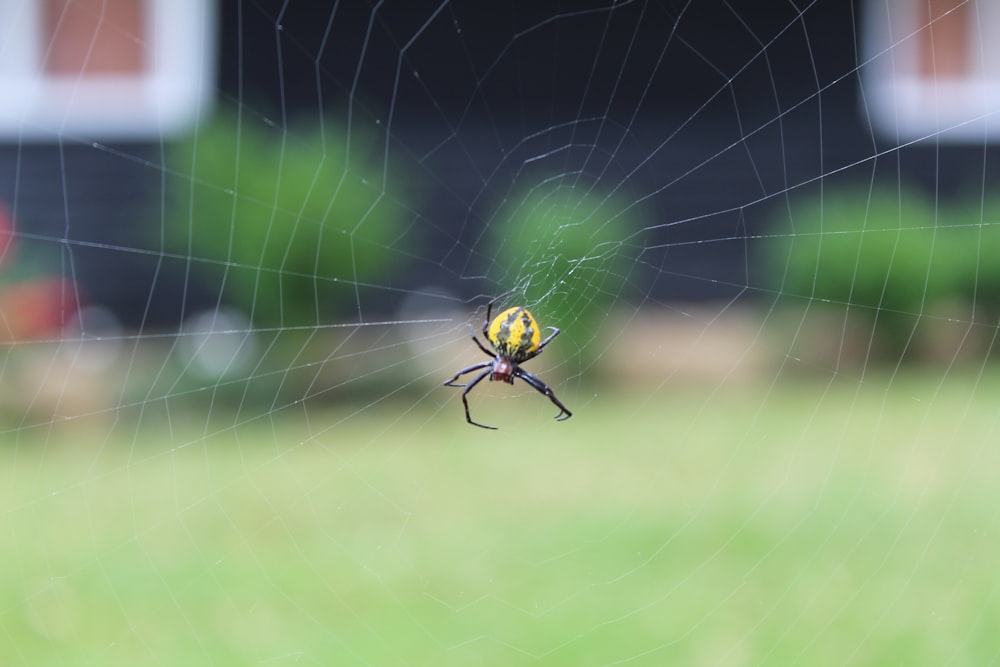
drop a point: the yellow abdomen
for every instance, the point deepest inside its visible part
(514, 333)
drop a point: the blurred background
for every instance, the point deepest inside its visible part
(240, 245)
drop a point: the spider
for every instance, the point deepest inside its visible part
(515, 337)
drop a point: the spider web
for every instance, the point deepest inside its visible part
(766, 235)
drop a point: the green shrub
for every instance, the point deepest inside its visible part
(889, 253)
(287, 222)
(568, 251)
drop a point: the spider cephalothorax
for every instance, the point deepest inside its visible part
(516, 338)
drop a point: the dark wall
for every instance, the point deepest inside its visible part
(705, 113)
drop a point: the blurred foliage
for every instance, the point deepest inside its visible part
(287, 221)
(890, 252)
(570, 252)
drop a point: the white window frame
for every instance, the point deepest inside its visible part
(906, 104)
(165, 98)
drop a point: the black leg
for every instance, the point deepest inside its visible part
(467, 369)
(489, 313)
(542, 388)
(465, 401)
(481, 346)
(555, 332)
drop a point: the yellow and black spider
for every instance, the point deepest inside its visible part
(515, 337)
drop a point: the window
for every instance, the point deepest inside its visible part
(931, 68)
(104, 69)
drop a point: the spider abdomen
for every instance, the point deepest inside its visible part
(514, 333)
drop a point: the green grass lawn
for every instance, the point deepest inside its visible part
(813, 523)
